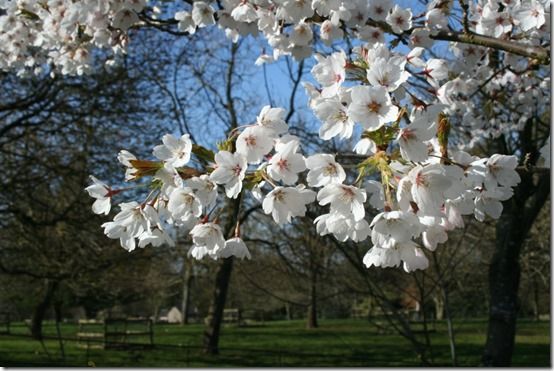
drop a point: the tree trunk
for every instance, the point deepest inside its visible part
(58, 313)
(451, 337)
(222, 279)
(439, 306)
(40, 309)
(156, 313)
(215, 313)
(187, 280)
(312, 308)
(504, 272)
(536, 307)
(288, 311)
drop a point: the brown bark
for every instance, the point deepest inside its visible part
(222, 279)
(312, 307)
(504, 273)
(536, 307)
(439, 306)
(185, 304)
(58, 313)
(215, 313)
(288, 311)
(40, 310)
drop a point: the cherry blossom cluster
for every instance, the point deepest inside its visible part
(425, 186)
(34, 33)
(63, 33)
(420, 201)
(183, 197)
(407, 119)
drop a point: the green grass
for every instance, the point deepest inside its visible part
(280, 343)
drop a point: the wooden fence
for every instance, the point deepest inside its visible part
(115, 333)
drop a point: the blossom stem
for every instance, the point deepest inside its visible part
(388, 192)
(266, 178)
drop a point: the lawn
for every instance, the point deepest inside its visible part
(280, 343)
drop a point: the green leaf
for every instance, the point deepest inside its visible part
(227, 145)
(250, 180)
(382, 136)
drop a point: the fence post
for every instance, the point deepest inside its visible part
(88, 344)
(151, 330)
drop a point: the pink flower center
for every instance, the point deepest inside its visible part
(237, 169)
(283, 164)
(330, 169)
(374, 107)
(407, 134)
(347, 193)
(279, 195)
(421, 181)
(250, 140)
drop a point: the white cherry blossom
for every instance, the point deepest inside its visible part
(344, 199)
(324, 170)
(245, 12)
(488, 203)
(412, 137)
(272, 119)
(286, 164)
(379, 9)
(330, 73)
(409, 253)
(342, 227)
(387, 73)
(391, 227)
(174, 151)
(209, 236)
(185, 22)
(330, 31)
(371, 107)
(102, 193)
(529, 14)
(204, 189)
(428, 185)
(434, 235)
(184, 205)
(202, 14)
(254, 143)
(399, 19)
(336, 122)
(494, 22)
(230, 170)
(284, 203)
(235, 247)
(365, 146)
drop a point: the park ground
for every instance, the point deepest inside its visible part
(278, 343)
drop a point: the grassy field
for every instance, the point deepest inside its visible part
(281, 343)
